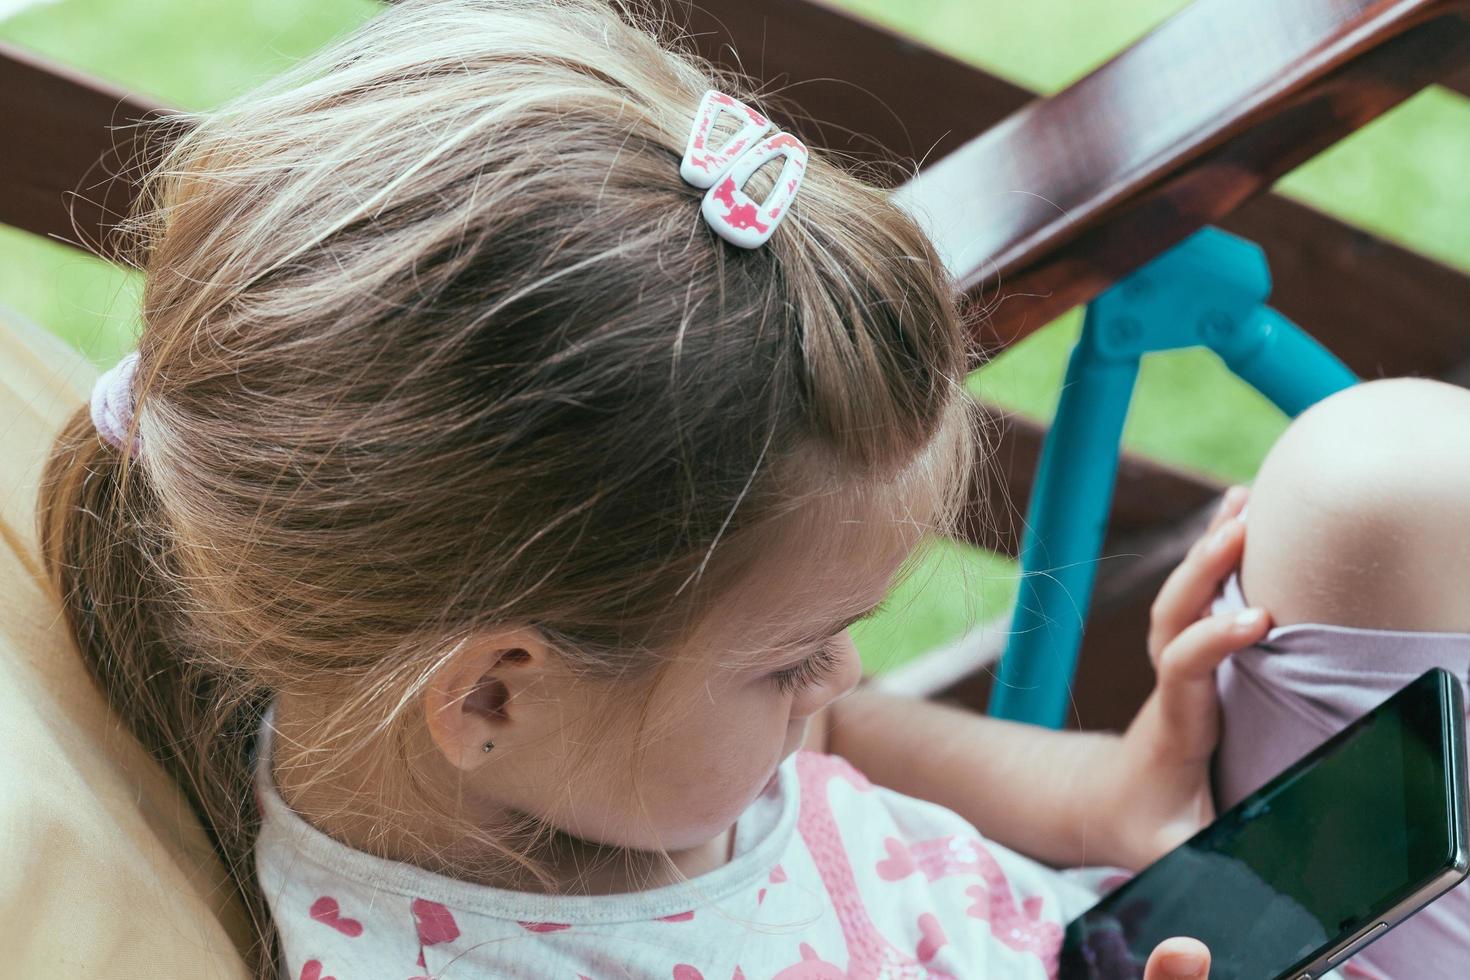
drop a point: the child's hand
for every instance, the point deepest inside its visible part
(1178, 959)
(1160, 792)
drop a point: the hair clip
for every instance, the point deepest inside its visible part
(702, 166)
(733, 214)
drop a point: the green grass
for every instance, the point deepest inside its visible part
(193, 55)
(1401, 178)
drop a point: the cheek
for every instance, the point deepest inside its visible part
(701, 766)
(720, 759)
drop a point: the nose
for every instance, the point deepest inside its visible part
(838, 682)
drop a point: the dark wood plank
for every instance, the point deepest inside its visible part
(1385, 310)
(1459, 81)
(1056, 202)
(1148, 494)
(1114, 675)
(850, 84)
(872, 90)
(60, 153)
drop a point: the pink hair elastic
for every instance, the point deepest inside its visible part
(732, 213)
(112, 405)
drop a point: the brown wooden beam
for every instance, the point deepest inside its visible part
(1148, 494)
(61, 151)
(1385, 309)
(850, 84)
(1114, 675)
(1340, 283)
(1157, 511)
(1459, 81)
(1047, 208)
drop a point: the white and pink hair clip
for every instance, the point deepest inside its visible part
(733, 214)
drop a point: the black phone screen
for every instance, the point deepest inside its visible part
(1357, 825)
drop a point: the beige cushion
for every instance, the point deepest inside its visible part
(105, 871)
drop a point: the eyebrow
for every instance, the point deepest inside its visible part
(837, 627)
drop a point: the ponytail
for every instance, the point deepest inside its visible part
(106, 553)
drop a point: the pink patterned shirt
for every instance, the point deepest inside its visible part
(832, 877)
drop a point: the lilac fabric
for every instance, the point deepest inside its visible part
(1300, 685)
(112, 404)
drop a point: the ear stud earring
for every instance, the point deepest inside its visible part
(488, 746)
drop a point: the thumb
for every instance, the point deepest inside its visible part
(1178, 959)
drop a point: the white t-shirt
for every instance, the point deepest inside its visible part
(831, 877)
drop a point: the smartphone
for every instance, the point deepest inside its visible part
(1344, 845)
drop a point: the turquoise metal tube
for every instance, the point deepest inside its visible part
(1067, 517)
(1208, 291)
(1286, 364)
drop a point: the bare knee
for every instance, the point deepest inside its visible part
(1360, 514)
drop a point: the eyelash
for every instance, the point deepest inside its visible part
(809, 671)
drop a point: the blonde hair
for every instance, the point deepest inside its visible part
(433, 338)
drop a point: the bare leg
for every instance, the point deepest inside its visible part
(1360, 515)
(1358, 544)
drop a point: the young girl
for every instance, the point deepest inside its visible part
(476, 532)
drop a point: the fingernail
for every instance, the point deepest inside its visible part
(1232, 497)
(1184, 966)
(1222, 535)
(1249, 618)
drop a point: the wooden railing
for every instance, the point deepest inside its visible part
(1045, 202)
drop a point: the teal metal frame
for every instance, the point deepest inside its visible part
(1208, 291)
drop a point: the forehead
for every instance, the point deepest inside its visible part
(830, 560)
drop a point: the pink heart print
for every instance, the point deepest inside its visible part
(326, 911)
(435, 922)
(312, 970)
(931, 937)
(899, 863)
(812, 967)
(683, 971)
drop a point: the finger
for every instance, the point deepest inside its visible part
(1186, 684)
(1190, 587)
(1195, 653)
(1232, 502)
(1178, 959)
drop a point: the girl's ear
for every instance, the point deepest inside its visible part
(478, 698)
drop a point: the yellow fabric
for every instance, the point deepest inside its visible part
(105, 871)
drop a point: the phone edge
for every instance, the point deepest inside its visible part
(1458, 858)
